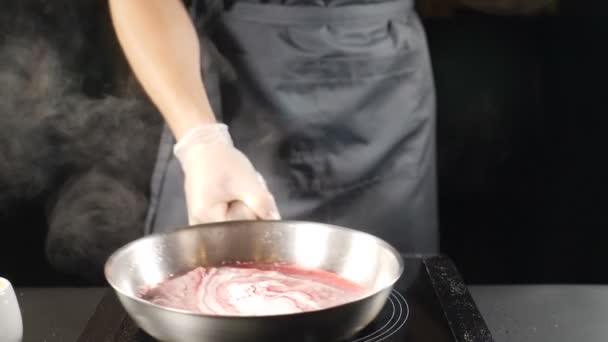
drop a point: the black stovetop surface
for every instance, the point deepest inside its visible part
(430, 303)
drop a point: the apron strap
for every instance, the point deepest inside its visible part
(211, 10)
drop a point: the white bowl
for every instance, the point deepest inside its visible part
(11, 325)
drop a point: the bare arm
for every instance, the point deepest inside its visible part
(162, 47)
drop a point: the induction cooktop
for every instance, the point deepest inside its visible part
(429, 303)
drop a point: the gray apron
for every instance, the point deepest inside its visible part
(335, 106)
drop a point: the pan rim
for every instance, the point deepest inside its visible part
(369, 294)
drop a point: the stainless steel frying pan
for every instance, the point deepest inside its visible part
(355, 255)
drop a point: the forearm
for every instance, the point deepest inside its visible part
(162, 47)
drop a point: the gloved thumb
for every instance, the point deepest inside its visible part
(205, 214)
(262, 204)
(238, 210)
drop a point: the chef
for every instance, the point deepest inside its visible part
(318, 110)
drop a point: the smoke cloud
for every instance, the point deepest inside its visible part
(89, 158)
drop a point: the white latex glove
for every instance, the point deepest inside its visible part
(221, 184)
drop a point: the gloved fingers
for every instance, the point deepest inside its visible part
(262, 180)
(252, 191)
(262, 203)
(201, 213)
(238, 210)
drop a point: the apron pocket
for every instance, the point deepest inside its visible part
(345, 131)
(342, 91)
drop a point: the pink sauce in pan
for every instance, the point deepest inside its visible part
(253, 290)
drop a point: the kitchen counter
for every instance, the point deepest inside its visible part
(522, 313)
(56, 314)
(555, 313)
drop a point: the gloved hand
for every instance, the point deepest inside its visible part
(221, 184)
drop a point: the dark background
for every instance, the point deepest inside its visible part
(522, 127)
(522, 121)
